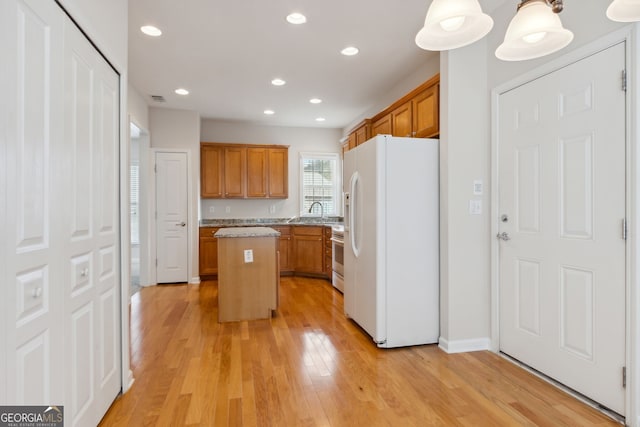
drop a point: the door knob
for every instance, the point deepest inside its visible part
(503, 236)
(181, 224)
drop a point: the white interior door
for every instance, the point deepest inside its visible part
(562, 204)
(91, 211)
(32, 284)
(60, 279)
(172, 244)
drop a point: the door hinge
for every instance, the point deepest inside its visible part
(156, 262)
(624, 376)
(624, 229)
(155, 168)
(624, 80)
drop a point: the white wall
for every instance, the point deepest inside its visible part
(298, 139)
(465, 245)
(180, 129)
(429, 68)
(137, 108)
(106, 24)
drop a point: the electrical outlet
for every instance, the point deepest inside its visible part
(227, 209)
(272, 209)
(212, 209)
(248, 255)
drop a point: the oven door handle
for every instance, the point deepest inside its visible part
(337, 241)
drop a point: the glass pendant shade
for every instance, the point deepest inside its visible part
(624, 10)
(535, 31)
(453, 23)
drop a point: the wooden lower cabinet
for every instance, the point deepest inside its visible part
(308, 249)
(208, 251)
(303, 250)
(284, 246)
(328, 253)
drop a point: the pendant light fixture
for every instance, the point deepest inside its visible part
(535, 31)
(453, 23)
(624, 10)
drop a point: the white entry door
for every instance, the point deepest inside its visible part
(562, 205)
(172, 242)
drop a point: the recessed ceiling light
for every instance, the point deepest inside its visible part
(349, 51)
(278, 82)
(269, 112)
(315, 100)
(150, 30)
(182, 91)
(320, 119)
(296, 18)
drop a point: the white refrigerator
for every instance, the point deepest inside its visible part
(391, 239)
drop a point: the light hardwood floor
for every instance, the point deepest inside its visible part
(310, 366)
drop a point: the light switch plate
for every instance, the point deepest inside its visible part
(475, 207)
(248, 255)
(477, 187)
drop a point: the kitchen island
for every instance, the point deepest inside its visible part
(248, 273)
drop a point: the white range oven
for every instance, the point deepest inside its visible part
(337, 263)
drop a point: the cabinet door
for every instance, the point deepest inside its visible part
(208, 251)
(308, 250)
(328, 253)
(284, 247)
(278, 183)
(235, 161)
(382, 126)
(426, 121)
(362, 135)
(352, 141)
(211, 172)
(401, 120)
(257, 172)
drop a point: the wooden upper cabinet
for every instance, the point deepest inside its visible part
(352, 141)
(417, 114)
(211, 171)
(278, 168)
(426, 115)
(382, 126)
(244, 171)
(235, 171)
(401, 120)
(362, 134)
(256, 172)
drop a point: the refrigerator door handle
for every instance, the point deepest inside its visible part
(353, 213)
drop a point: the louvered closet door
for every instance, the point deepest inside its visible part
(562, 202)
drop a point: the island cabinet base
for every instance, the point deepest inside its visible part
(247, 290)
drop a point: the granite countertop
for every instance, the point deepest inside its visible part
(247, 232)
(266, 222)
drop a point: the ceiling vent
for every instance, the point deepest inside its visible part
(158, 98)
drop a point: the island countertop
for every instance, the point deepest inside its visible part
(247, 232)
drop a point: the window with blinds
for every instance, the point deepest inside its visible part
(320, 180)
(134, 180)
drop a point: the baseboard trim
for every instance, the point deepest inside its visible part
(464, 346)
(195, 280)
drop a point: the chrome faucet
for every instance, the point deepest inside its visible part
(321, 208)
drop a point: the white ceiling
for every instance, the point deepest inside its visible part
(227, 52)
